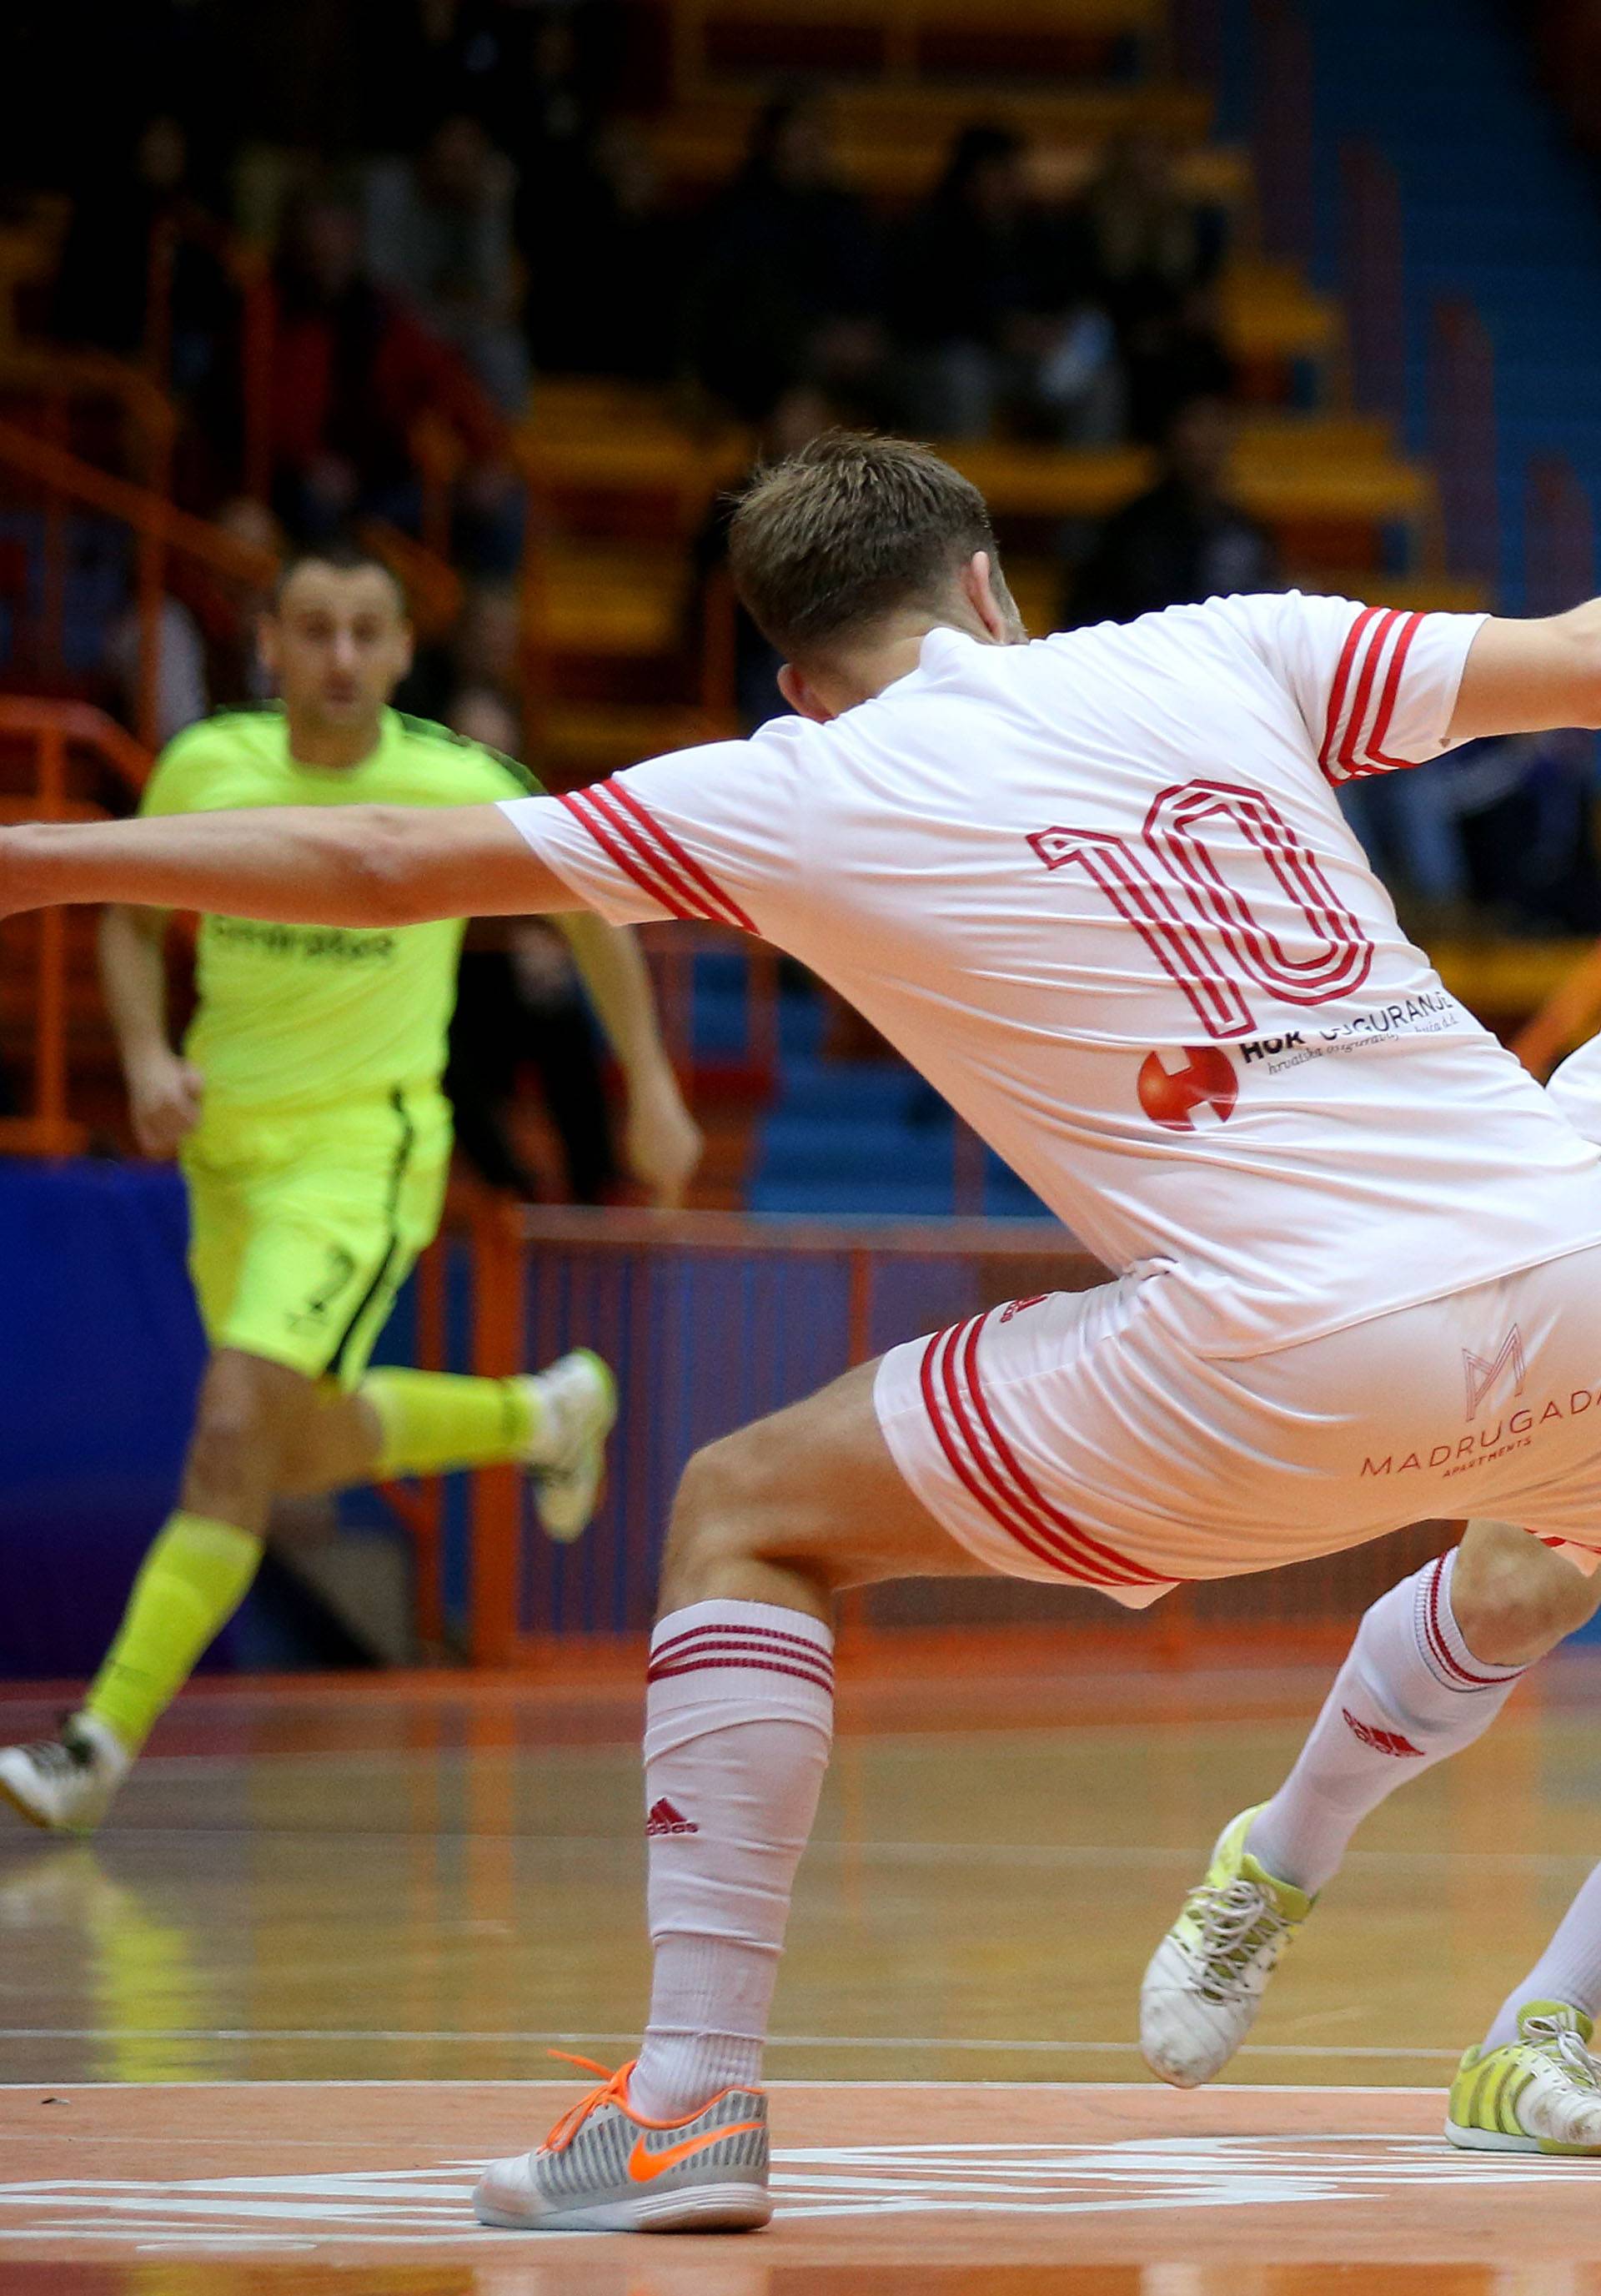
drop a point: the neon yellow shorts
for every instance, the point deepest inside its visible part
(303, 1226)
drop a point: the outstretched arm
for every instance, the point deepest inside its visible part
(1531, 677)
(356, 864)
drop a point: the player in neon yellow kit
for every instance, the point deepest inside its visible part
(306, 1111)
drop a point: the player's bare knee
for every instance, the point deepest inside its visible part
(230, 1452)
(1514, 1599)
(712, 1518)
(240, 1429)
(735, 1509)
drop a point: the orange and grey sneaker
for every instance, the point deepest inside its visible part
(603, 2168)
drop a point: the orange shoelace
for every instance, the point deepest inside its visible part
(613, 2090)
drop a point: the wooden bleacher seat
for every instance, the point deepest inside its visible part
(898, 38)
(592, 599)
(891, 142)
(1269, 312)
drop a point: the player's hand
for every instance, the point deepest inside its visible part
(164, 1100)
(663, 1143)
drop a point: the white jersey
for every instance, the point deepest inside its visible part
(1099, 890)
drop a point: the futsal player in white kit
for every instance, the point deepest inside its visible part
(1100, 890)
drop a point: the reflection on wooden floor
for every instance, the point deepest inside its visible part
(415, 1884)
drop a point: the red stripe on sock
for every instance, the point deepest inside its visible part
(1435, 1635)
(701, 1645)
(825, 1683)
(814, 1644)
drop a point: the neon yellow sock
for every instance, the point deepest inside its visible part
(194, 1578)
(432, 1421)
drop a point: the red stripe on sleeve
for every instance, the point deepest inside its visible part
(687, 901)
(1386, 708)
(593, 822)
(1372, 653)
(1342, 678)
(732, 913)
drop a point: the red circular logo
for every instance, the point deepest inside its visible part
(1188, 1087)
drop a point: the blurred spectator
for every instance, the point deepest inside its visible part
(1183, 541)
(232, 610)
(788, 286)
(126, 212)
(183, 690)
(989, 305)
(533, 71)
(1154, 256)
(209, 656)
(488, 645)
(1497, 835)
(439, 234)
(353, 372)
(518, 1002)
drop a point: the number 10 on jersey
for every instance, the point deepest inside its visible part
(1173, 887)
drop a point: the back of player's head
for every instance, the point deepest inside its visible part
(342, 556)
(849, 532)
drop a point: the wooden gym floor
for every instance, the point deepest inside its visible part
(261, 2033)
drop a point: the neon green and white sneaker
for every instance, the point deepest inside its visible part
(1205, 1980)
(1538, 2094)
(573, 1407)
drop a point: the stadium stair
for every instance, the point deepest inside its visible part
(1497, 206)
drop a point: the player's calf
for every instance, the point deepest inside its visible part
(1515, 1599)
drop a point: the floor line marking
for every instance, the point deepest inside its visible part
(1022, 1853)
(1386, 2054)
(521, 2088)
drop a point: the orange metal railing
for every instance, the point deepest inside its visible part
(711, 1318)
(160, 530)
(53, 732)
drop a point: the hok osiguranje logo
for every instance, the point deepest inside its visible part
(1189, 1088)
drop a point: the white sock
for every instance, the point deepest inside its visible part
(1409, 1693)
(738, 1718)
(1569, 1970)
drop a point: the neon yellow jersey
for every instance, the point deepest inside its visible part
(291, 1015)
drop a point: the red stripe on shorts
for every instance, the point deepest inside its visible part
(1002, 1502)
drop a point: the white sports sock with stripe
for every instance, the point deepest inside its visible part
(739, 1720)
(1409, 1693)
(1569, 1970)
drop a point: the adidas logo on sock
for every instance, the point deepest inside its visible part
(666, 1818)
(1383, 1741)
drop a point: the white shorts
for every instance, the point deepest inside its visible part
(1070, 1437)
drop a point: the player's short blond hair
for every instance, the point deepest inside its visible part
(850, 530)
